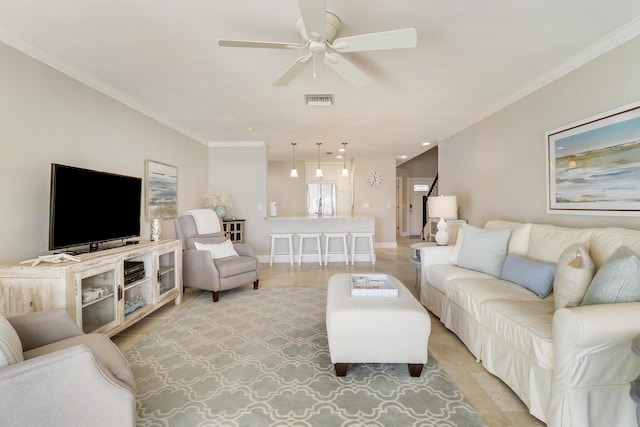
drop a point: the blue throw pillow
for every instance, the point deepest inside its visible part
(617, 280)
(483, 250)
(537, 276)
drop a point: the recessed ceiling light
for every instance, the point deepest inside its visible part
(403, 157)
(426, 143)
(339, 156)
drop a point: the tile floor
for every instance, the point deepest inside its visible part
(495, 402)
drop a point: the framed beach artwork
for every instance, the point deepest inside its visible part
(593, 166)
(161, 190)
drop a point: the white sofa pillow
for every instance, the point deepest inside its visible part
(219, 250)
(10, 345)
(618, 280)
(484, 250)
(574, 273)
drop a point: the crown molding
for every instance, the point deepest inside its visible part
(93, 82)
(602, 46)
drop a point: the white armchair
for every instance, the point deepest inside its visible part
(63, 377)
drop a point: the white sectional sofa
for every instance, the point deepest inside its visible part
(571, 364)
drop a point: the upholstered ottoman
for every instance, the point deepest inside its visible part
(371, 329)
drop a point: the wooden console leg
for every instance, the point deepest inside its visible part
(255, 284)
(216, 296)
(415, 369)
(341, 369)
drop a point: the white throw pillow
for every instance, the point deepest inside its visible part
(574, 273)
(10, 345)
(617, 280)
(484, 250)
(220, 250)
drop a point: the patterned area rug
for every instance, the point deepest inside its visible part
(260, 358)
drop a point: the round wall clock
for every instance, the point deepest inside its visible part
(375, 179)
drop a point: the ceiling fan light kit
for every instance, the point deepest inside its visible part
(318, 28)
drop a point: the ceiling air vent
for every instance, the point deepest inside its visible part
(318, 100)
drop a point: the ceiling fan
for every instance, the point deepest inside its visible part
(318, 28)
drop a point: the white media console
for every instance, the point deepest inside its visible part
(94, 290)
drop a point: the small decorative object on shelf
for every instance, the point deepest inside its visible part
(221, 203)
(221, 211)
(156, 230)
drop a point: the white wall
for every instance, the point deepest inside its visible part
(47, 117)
(497, 167)
(240, 171)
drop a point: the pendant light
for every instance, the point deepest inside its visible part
(319, 171)
(345, 171)
(294, 171)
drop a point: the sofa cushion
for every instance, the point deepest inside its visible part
(525, 324)
(605, 241)
(547, 242)
(439, 274)
(537, 276)
(519, 239)
(218, 250)
(574, 273)
(471, 293)
(618, 280)
(10, 345)
(484, 250)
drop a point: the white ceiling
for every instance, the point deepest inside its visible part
(162, 57)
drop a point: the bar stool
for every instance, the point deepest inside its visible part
(369, 251)
(318, 252)
(274, 239)
(343, 251)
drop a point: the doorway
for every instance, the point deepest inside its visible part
(417, 188)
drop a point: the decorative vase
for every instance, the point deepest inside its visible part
(221, 211)
(156, 230)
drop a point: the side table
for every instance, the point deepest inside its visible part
(416, 261)
(234, 229)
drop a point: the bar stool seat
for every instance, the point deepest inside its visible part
(368, 237)
(274, 240)
(317, 252)
(344, 252)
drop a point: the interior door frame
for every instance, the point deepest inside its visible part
(409, 192)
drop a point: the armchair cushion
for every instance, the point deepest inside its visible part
(231, 266)
(10, 345)
(218, 250)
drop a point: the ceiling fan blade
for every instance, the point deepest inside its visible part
(346, 69)
(268, 45)
(293, 70)
(314, 17)
(395, 39)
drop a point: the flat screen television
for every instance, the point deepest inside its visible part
(88, 207)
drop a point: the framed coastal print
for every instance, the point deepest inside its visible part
(593, 166)
(161, 193)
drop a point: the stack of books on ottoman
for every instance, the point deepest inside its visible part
(372, 285)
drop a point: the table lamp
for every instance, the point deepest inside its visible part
(443, 207)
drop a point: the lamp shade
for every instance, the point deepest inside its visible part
(443, 207)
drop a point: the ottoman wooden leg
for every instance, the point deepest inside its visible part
(341, 369)
(415, 369)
